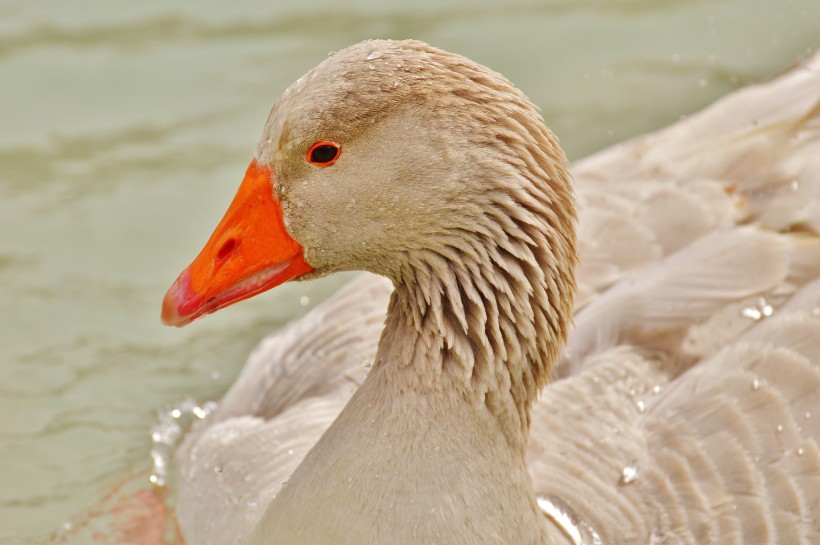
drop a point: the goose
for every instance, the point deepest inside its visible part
(445, 396)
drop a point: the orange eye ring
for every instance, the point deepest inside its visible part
(323, 153)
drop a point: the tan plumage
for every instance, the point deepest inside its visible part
(685, 408)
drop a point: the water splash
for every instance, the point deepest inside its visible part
(173, 421)
(568, 522)
(374, 55)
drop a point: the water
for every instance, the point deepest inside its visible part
(127, 127)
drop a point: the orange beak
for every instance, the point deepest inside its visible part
(249, 252)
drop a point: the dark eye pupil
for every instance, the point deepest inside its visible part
(323, 154)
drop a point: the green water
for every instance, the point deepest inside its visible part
(126, 127)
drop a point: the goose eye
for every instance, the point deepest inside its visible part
(323, 154)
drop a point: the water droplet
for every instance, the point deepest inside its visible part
(755, 384)
(251, 504)
(290, 451)
(218, 469)
(794, 185)
(760, 309)
(656, 537)
(176, 413)
(641, 406)
(216, 375)
(67, 525)
(304, 300)
(807, 415)
(160, 461)
(630, 473)
(632, 392)
(800, 451)
(374, 55)
(779, 428)
(656, 389)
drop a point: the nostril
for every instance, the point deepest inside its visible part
(226, 249)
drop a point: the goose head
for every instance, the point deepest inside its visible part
(420, 165)
(427, 168)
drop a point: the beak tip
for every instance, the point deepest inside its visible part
(169, 315)
(173, 301)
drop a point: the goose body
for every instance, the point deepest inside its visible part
(405, 409)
